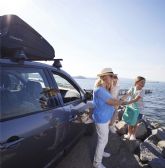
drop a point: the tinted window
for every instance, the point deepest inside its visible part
(68, 92)
(23, 91)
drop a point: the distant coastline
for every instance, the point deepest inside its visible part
(120, 78)
(83, 77)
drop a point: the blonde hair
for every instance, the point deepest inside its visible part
(99, 82)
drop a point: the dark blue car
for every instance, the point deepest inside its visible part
(39, 103)
(38, 107)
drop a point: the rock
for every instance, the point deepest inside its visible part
(157, 163)
(140, 164)
(149, 151)
(137, 158)
(157, 135)
(141, 131)
(161, 144)
(163, 152)
(148, 123)
(133, 146)
(161, 134)
(121, 127)
(145, 166)
(121, 156)
(154, 131)
(163, 128)
(152, 139)
(154, 125)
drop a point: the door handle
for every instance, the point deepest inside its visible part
(11, 142)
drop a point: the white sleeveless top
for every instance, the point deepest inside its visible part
(134, 93)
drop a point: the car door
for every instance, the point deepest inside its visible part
(73, 102)
(27, 136)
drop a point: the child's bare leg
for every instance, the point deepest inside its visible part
(134, 129)
(130, 129)
(132, 137)
(127, 136)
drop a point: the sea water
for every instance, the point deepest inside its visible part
(154, 102)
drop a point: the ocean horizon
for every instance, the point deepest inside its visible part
(120, 78)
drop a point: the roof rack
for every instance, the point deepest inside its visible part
(20, 56)
(57, 63)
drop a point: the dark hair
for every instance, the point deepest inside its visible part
(139, 78)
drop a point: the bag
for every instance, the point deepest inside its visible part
(17, 37)
(130, 115)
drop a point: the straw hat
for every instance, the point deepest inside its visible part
(105, 71)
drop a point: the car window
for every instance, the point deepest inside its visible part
(68, 91)
(24, 91)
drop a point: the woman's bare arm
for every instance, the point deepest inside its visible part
(113, 102)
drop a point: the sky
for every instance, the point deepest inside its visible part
(89, 35)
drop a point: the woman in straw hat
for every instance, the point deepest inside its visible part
(102, 113)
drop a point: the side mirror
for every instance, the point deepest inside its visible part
(88, 94)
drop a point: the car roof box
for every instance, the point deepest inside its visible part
(19, 40)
